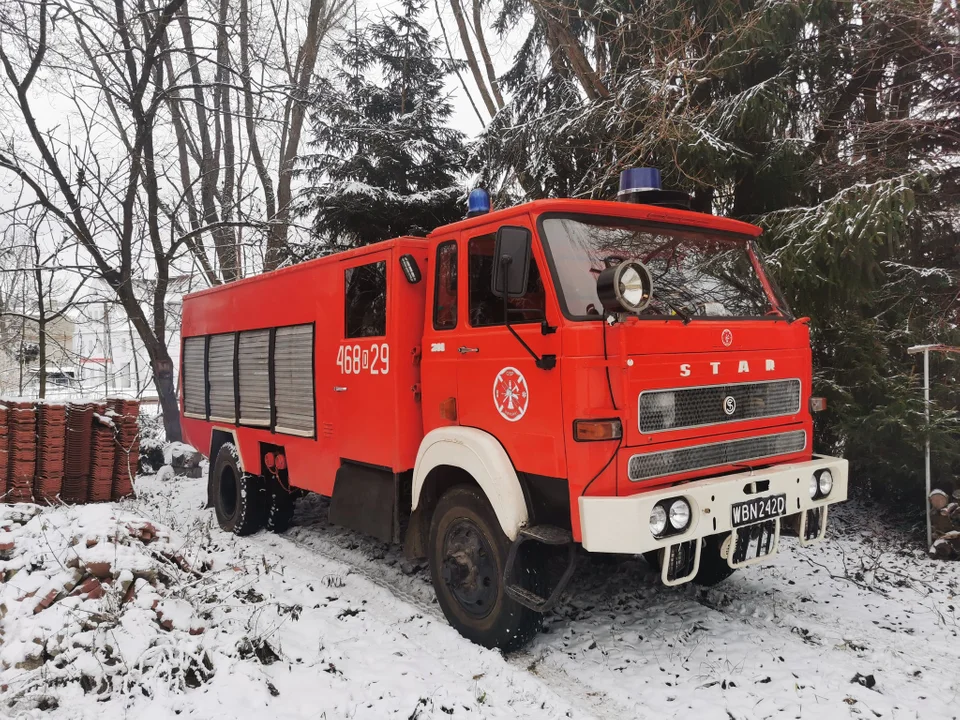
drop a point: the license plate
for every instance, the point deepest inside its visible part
(758, 509)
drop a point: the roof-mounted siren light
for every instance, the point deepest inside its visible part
(478, 202)
(642, 186)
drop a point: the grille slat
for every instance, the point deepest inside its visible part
(682, 408)
(700, 457)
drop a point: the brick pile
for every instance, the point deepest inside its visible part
(4, 449)
(127, 457)
(22, 459)
(51, 448)
(76, 471)
(102, 451)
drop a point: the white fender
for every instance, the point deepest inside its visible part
(236, 444)
(483, 457)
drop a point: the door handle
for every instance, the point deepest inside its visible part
(464, 350)
(339, 388)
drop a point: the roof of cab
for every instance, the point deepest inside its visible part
(652, 213)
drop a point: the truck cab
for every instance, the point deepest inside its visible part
(621, 377)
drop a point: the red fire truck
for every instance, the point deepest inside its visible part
(623, 377)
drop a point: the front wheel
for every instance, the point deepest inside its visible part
(467, 553)
(237, 496)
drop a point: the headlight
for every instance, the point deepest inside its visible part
(658, 520)
(814, 486)
(679, 514)
(826, 482)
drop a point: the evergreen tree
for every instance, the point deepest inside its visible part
(833, 125)
(386, 161)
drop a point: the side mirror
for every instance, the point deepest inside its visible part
(511, 262)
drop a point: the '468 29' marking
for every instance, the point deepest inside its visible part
(354, 359)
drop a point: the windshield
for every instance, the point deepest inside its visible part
(696, 273)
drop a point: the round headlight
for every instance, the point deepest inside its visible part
(658, 520)
(679, 514)
(814, 486)
(826, 482)
(625, 287)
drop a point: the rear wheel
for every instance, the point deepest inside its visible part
(237, 496)
(467, 551)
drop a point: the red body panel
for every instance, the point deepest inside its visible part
(487, 374)
(385, 405)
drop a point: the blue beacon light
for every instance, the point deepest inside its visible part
(478, 203)
(639, 180)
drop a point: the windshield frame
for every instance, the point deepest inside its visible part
(768, 284)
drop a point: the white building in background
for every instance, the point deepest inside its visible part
(107, 357)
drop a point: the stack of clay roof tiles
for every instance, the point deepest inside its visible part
(22, 460)
(51, 442)
(4, 450)
(102, 451)
(79, 452)
(76, 471)
(124, 413)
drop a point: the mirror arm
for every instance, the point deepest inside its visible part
(546, 362)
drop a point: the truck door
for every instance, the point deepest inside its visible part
(363, 399)
(499, 387)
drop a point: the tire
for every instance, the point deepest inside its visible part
(713, 567)
(237, 496)
(279, 507)
(470, 586)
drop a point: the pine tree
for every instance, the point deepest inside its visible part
(386, 161)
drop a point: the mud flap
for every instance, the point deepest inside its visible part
(681, 562)
(813, 525)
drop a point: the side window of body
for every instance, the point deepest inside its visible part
(486, 308)
(365, 300)
(445, 288)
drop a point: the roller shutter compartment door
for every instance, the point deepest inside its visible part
(253, 356)
(194, 377)
(293, 380)
(220, 373)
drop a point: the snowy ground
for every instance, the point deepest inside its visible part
(324, 623)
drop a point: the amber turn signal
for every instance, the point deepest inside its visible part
(591, 430)
(818, 404)
(448, 409)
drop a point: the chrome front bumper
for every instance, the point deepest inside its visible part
(621, 524)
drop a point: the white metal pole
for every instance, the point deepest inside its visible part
(926, 402)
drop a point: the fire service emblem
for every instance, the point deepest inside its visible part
(726, 337)
(510, 394)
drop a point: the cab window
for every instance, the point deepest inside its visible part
(445, 292)
(485, 307)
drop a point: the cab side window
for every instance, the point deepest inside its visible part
(365, 301)
(445, 293)
(485, 307)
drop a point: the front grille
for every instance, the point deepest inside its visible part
(700, 457)
(711, 404)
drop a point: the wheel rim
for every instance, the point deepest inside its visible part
(228, 491)
(469, 569)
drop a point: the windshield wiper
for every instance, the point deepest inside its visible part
(681, 313)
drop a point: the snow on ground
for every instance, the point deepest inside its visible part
(321, 622)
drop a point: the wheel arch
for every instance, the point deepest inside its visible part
(461, 455)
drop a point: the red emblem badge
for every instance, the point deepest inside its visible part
(510, 394)
(726, 337)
